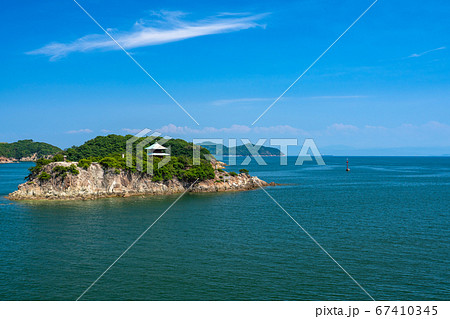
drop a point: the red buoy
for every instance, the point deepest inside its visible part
(348, 169)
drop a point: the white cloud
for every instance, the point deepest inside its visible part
(342, 127)
(233, 129)
(132, 130)
(167, 27)
(184, 130)
(435, 125)
(375, 128)
(280, 129)
(173, 129)
(417, 55)
(84, 130)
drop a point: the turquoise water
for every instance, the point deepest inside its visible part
(386, 222)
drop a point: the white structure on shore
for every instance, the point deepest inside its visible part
(157, 150)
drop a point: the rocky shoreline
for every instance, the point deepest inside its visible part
(5, 160)
(32, 158)
(97, 182)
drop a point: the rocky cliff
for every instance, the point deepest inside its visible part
(97, 182)
(31, 158)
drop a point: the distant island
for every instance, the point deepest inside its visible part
(241, 150)
(26, 150)
(98, 169)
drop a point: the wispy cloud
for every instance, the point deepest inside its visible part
(81, 131)
(165, 27)
(132, 130)
(375, 127)
(417, 55)
(340, 127)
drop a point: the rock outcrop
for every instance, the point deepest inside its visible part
(97, 182)
(4, 160)
(32, 158)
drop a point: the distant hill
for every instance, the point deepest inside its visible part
(241, 150)
(27, 148)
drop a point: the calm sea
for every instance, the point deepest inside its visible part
(386, 222)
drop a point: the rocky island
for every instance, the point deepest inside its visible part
(98, 182)
(102, 176)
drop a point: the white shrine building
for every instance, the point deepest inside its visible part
(157, 150)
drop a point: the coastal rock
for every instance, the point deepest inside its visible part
(97, 182)
(218, 164)
(4, 160)
(32, 158)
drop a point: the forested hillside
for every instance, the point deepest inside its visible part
(25, 148)
(108, 150)
(115, 145)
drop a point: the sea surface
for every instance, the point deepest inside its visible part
(386, 222)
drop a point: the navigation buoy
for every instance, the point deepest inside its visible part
(348, 169)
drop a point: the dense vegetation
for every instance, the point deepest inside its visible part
(241, 150)
(112, 145)
(101, 146)
(108, 150)
(84, 163)
(179, 166)
(25, 148)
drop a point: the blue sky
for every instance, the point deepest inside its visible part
(385, 84)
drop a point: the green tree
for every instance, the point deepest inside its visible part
(44, 176)
(84, 163)
(109, 162)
